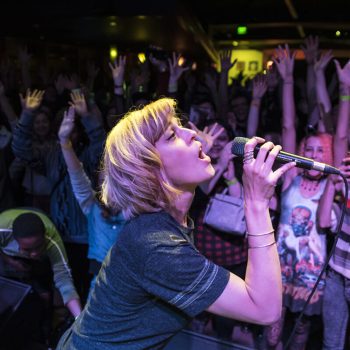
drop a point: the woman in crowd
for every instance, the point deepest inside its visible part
(301, 246)
(153, 280)
(103, 227)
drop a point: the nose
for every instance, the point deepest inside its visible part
(189, 135)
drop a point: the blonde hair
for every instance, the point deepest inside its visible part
(134, 182)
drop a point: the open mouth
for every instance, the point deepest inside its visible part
(202, 155)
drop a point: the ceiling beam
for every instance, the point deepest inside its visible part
(294, 15)
(191, 24)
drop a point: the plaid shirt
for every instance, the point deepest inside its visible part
(221, 248)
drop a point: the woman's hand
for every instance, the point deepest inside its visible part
(321, 64)
(118, 70)
(225, 160)
(208, 135)
(259, 86)
(284, 62)
(79, 103)
(67, 125)
(343, 73)
(259, 180)
(175, 69)
(32, 100)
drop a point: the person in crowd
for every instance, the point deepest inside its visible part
(64, 209)
(103, 227)
(37, 187)
(137, 302)
(301, 246)
(335, 309)
(7, 198)
(32, 252)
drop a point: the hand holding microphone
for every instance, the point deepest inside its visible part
(285, 157)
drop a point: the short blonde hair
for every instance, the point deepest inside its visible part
(134, 182)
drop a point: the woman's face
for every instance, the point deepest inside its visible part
(218, 145)
(314, 150)
(41, 125)
(184, 163)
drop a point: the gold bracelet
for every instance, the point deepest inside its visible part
(344, 98)
(261, 234)
(67, 145)
(262, 246)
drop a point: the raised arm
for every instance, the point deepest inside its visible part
(226, 64)
(341, 135)
(94, 129)
(285, 65)
(323, 99)
(259, 90)
(7, 108)
(259, 297)
(310, 49)
(176, 72)
(80, 183)
(22, 144)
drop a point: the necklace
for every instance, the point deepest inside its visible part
(308, 185)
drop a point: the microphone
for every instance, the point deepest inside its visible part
(285, 157)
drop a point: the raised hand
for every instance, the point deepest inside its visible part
(208, 135)
(225, 159)
(175, 69)
(321, 64)
(310, 49)
(79, 103)
(259, 86)
(284, 61)
(118, 70)
(32, 100)
(229, 173)
(67, 125)
(343, 73)
(225, 60)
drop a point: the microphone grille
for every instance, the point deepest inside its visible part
(238, 145)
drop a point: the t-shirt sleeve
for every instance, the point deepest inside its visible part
(177, 273)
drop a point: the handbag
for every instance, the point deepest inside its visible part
(226, 213)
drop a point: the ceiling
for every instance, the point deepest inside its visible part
(194, 27)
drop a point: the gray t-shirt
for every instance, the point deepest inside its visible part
(152, 282)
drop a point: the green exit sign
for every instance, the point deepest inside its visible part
(242, 30)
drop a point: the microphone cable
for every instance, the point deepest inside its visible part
(340, 224)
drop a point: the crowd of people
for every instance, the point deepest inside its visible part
(68, 193)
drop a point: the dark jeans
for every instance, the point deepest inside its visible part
(79, 263)
(335, 310)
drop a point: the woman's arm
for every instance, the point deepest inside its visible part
(259, 297)
(285, 65)
(81, 185)
(340, 143)
(259, 90)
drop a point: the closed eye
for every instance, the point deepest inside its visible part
(172, 135)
